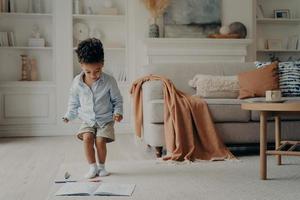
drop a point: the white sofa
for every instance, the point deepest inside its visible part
(236, 126)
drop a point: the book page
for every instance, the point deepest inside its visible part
(115, 189)
(77, 188)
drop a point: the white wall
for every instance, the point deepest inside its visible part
(233, 10)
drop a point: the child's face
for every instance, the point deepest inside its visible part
(92, 71)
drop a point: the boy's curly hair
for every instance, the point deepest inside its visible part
(90, 51)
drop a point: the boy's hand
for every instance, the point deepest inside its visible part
(118, 117)
(66, 120)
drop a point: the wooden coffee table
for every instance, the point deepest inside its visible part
(273, 109)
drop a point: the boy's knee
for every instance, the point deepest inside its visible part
(88, 137)
(101, 141)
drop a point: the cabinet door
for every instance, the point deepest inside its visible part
(27, 106)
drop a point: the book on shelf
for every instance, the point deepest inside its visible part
(11, 39)
(4, 39)
(95, 189)
(7, 39)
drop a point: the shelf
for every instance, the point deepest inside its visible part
(106, 18)
(26, 48)
(278, 50)
(29, 15)
(27, 84)
(277, 21)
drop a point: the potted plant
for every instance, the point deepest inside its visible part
(156, 9)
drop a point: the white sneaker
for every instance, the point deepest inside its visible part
(102, 172)
(91, 173)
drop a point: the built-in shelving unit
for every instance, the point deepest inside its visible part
(111, 29)
(277, 36)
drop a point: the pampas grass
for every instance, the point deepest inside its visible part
(156, 7)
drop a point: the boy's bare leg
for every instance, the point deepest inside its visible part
(101, 149)
(101, 153)
(88, 143)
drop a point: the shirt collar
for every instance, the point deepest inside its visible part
(101, 79)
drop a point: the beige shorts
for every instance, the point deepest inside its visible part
(107, 131)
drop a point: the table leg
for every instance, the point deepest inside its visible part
(277, 136)
(263, 146)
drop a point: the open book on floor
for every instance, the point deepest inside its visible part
(95, 189)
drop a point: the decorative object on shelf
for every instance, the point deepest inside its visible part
(156, 9)
(293, 42)
(261, 43)
(25, 68)
(224, 30)
(33, 69)
(192, 19)
(80, 32)
(77, 7)
(274, 44)
(238, 28)
(282, 14)
(107, 4)
(260, 11)
(29, 6)
(35, 39)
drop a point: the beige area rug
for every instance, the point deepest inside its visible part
(202, 180)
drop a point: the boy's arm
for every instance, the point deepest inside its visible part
(73, 104)
(116, 98)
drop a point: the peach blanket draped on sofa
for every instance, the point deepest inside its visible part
(190, 133)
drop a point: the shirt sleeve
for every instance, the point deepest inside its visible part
(116, 98)
(73, 103)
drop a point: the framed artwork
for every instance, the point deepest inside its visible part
(192, 18)
(293, 42)
(282, 14)
(274, 44)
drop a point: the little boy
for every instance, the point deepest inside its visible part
(95, 98)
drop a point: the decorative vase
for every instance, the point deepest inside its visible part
(153, 31)
(24, 76)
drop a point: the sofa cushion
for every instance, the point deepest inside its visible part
(295, 116)
(254, 83)
(222, 110)
(289, 78)
(210, 86)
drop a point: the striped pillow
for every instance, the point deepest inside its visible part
(289, 78)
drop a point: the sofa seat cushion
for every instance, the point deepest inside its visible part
(222, 110)
(286, 117)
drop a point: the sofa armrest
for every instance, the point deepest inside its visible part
(152, 90)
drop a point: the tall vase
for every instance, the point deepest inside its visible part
(25, 71)
(154, 29)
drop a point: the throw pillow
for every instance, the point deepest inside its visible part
(256, 82)
(289, 78)
(210, 86)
